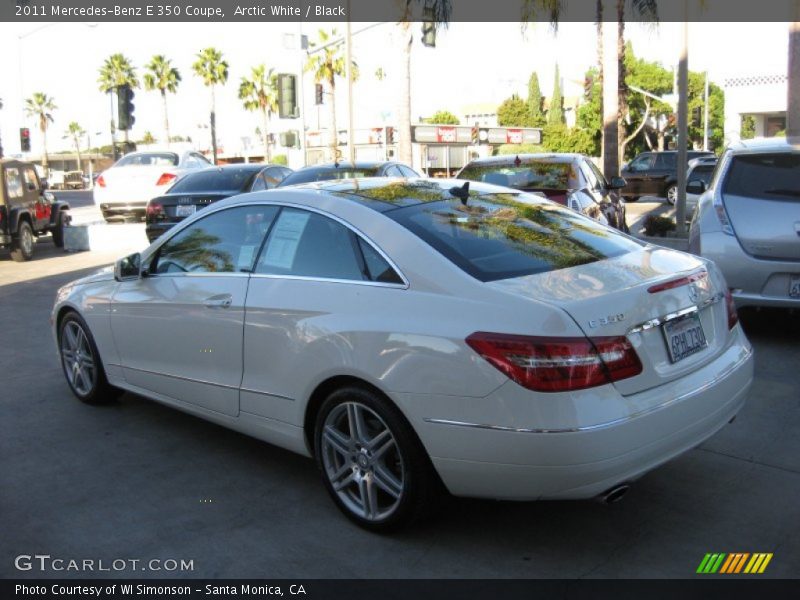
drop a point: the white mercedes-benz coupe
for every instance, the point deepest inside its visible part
(416, 336)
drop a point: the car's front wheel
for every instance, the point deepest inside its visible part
(373, 465)
(81, 362)
(22, 247)
(671, 194)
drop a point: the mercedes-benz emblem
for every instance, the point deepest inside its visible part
(694, 293)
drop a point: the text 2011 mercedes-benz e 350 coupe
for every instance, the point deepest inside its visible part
(414, 335)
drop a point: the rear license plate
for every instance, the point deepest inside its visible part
(184, 210)
(794, 286)
(684, 337)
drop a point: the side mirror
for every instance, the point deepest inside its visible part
(617, 183)
(128, 268)
(695, 186)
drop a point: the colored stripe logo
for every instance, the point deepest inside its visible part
(733, 563)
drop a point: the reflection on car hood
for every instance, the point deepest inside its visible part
(104, 274)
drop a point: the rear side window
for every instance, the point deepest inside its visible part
(702, 173)
(666, 161)
(154, 159)
(537, 175)
(764, 176)
(326, 175)
(215, 180)
(500, 236)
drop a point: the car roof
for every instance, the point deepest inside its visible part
(510, 159)
(359, 164)
(771, 144)
(381, 194)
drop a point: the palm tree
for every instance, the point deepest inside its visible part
(162, 76)
(213, 70)
(259, 93)
(41, 106)
(438, 11)
(326, 64)
(117, 70)
(76, 132)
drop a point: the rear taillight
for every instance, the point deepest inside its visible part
(166, 178)
(154, 209)
(730, 305)
(546, 364)
(101, 182)
(722, 215)
(673, 283)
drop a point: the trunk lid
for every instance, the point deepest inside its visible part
(761, 195)
(137, 181)
(621, 297)
(199, 200)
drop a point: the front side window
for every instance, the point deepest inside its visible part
(31, 180)
(307, 244)
(641, 163)
(223, 242)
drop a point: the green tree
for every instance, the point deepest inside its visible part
(535, 113)
(512, 112)
(148, 138)
(258, 93)
(117, 70)
(162, 76)
(555, 116)
(76, 133)
(326, 65)
(212, 68)
(41, 106)
(748, 127)
(443, 117)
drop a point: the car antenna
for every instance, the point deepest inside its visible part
(462, 193)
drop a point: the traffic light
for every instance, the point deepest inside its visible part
(125, 118)
(317, 94)
(428, 29)
(287, 96)
(389, 135)
(24, 139)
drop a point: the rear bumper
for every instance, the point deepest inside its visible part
(123, 209)
(753, 281)
(530, 463)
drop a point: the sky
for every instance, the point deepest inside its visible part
(473, 63)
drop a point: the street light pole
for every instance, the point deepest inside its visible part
(351, 150)
(683, 106)
(705, 117)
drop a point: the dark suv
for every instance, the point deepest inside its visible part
(655, 174)
(27, 210)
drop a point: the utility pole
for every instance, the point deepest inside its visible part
(348, 44)
(793, 79)
(705, 117)
(683, 109)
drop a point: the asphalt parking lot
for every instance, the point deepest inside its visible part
(136, 480)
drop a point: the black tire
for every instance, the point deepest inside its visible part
(671, 193)
(99, 391)
(407, 461)
(58, 231)
(22, 246)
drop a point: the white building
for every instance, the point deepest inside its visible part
(761, 96)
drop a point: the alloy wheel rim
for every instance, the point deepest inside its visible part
(672, 194)
(27, 240)
(79, 363)
(362, 461)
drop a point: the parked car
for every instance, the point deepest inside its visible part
(748, 221)
(655, 174)
(27, 210)
(348, 170)
(569, 179)
(413, 333)
(198, 189)
(124, 189)
(700, 169)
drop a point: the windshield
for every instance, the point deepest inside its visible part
(150, 159)
(536, 175)
(216, 180)
(500, 236)
(327, 174)
(765, 176)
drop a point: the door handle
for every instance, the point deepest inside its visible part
(221, 301)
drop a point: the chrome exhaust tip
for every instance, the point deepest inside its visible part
(614, 494)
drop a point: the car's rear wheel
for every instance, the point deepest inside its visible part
(671, 194)
(22, 247)
(58, 231)
(81, 362)
(372, 463)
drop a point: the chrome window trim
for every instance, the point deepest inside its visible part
(211, 210)
(400, 286)
(658, 321)
(719, 377)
